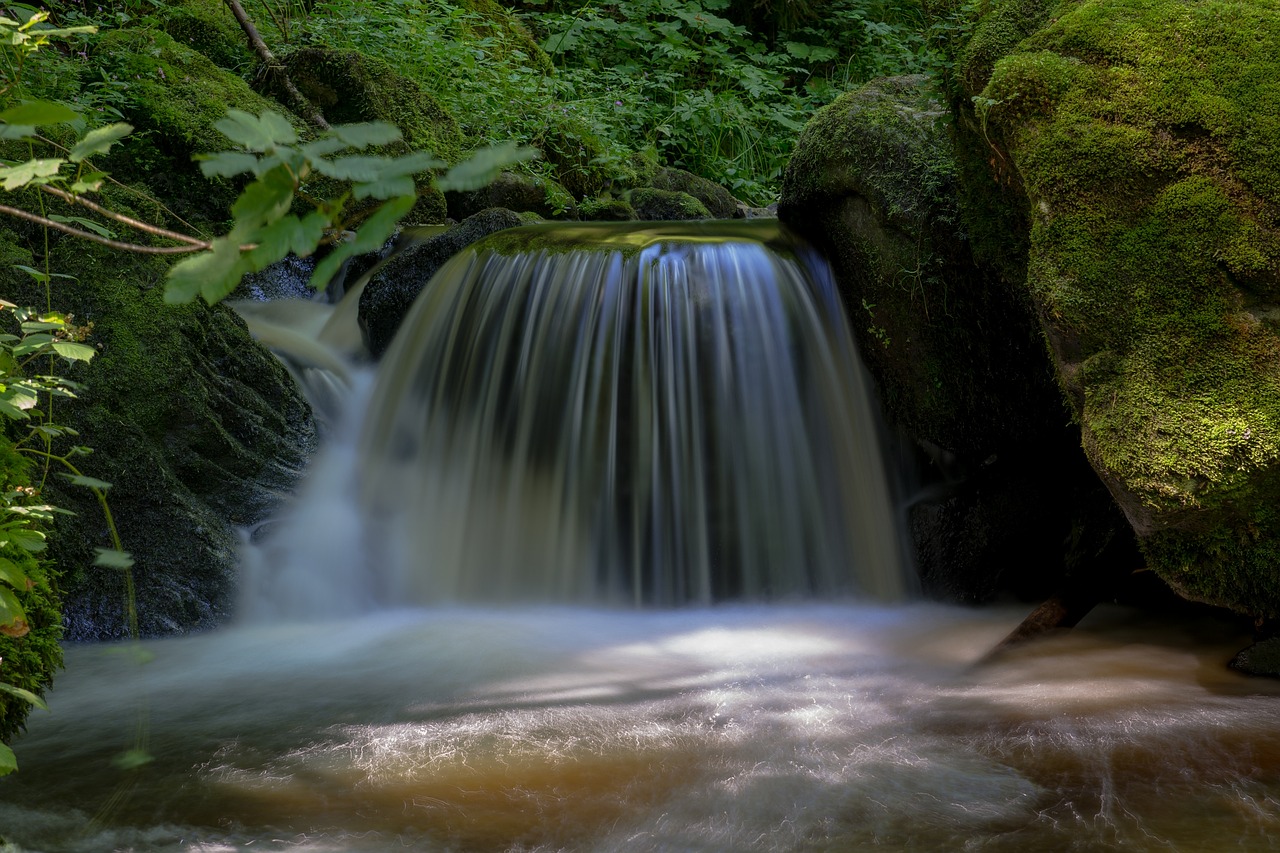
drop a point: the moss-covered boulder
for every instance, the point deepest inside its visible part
(197, 428)
(207, 27)
(349, 87)
(1142, 138)
(520, 193)
(175, 95)
(956, 352)
(656, 205)
(719, 202)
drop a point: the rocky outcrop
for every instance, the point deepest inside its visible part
(197, 428)
(956, 352)
(1141, 141)
(391, 292)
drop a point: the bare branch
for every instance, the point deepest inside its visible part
(126, 220)
(89, 235)
(299, 102)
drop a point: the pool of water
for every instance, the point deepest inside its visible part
(783, 728)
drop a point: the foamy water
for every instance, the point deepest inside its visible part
(761, 728)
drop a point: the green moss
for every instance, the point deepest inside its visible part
(206, 27)
(718, 200)
(658, 205)
(1145, 135)
(174, 97)
(350, 87)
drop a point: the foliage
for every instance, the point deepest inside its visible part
(677, 78)
(265, 229)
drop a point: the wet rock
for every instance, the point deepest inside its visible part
(393, 289)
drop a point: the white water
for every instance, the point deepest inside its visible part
(829, 726)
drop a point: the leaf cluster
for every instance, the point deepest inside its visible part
(265, 229)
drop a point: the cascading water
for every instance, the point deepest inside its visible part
(724, 462)
(605, 414)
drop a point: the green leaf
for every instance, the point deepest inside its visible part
(387, 187)
(87, 224)
(11, 574)
(367, 133)
(27, 540)
(32, 170)
(24, 695)
(226, 164)
(265, 200)
(99, 141)
(112, 559)
(8, 761)
(39, 112)
(372, 234)
(483, 166)
(74, 351)
(10, 610)
(290, 234)
(17, 131)
(11, 411)
(212, 274)
(133, 759)
(89, 183)
(322, 147)
(88, 482)
(257, 133)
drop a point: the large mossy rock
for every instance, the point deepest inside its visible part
(197, 427)
(1141, 139)
(175, 97)
(956, 352)
(349, 87)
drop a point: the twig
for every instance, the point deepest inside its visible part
(126, 220)
(89, 235)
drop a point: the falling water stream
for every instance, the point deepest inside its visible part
(603, 559)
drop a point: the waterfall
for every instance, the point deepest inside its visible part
(659, 414)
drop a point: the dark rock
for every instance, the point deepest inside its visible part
(1262, 658)
(957, 355)
(392, 290)
(198, 429)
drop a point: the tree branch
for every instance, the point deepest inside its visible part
(126, 220)
(299, 102)
(89, 235)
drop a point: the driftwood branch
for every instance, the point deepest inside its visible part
(298, 102)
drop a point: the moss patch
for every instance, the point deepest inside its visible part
(1145, 135)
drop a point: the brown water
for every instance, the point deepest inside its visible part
(752, 728)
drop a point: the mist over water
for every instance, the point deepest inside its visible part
(474, 674)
